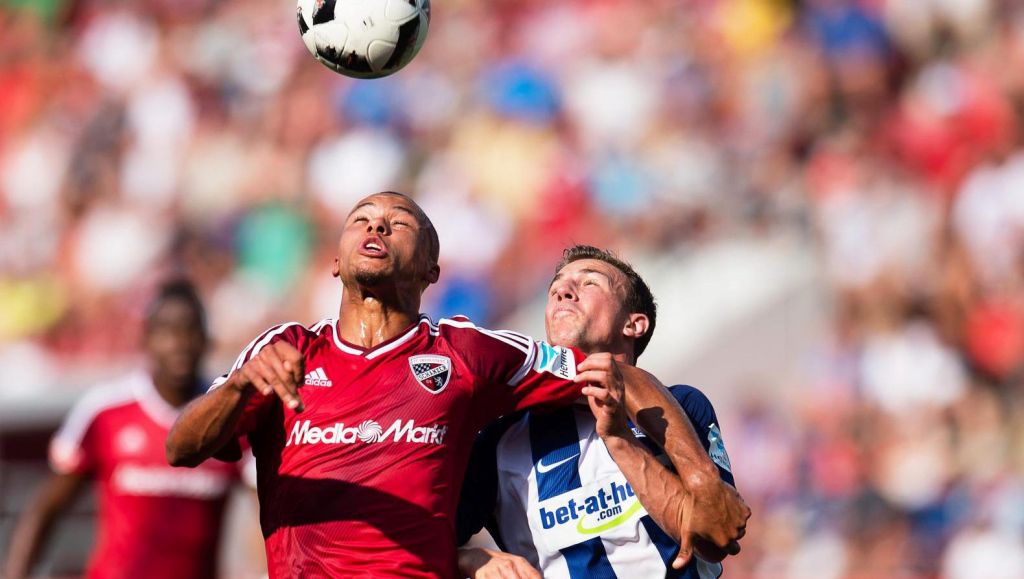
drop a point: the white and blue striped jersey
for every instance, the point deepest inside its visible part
(547, 489)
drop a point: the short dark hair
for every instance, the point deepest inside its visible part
(639, 298)
(180, 289)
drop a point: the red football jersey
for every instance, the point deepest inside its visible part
(364, 482)
(154, 520)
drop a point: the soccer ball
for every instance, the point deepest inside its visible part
(364, 38)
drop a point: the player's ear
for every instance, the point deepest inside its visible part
(433, 274)
(636, 326)
(336, 268)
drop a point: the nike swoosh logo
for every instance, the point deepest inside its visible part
(543, 468)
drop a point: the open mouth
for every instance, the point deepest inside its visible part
(373, 247)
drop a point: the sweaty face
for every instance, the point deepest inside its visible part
(586, 306)
(382, 243)
(175, 340)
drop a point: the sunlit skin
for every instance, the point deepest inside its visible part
(387, 257)
(384, 265)
(586, 309)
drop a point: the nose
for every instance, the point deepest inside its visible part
(377, 225)
(565, 291)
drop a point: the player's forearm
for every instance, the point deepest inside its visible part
(659, 490)
(28, 536)
(718, 513)
(653, 409)
(207, 424)
(35, 523)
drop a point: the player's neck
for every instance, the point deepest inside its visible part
(367, 319)
(174, 391)
(622, 354)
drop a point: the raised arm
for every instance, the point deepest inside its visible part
(697, 502)
(210, 422)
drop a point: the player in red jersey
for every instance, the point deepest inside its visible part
(359, 477)
(154, 520)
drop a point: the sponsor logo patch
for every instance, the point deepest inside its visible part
(367, 432)
(431, 372)
(607, 507)
(545, 468)
(555, 360)
(318, 378)
(717, 448)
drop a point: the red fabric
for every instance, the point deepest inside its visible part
(381, 501)
(155, 521)
(995, 338)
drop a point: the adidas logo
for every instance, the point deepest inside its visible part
(318, 378)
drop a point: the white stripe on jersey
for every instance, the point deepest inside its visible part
(524, 344)
(630, 550)
(337, 340)
(405, 338)
(321, 325)
(67, 441)
(525, 369)
(252, 349)
(525, 349)
(525, 340)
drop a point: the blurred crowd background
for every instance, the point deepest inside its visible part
(144, 138)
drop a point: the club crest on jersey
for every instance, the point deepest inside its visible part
(432, 372)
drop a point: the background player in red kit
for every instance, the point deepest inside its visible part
(360, 476)
(155, 521)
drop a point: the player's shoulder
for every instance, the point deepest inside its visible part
(465, 335)
(694, 402)
(102, 400)
(295, 333)
(110, 395)
(463, 326)
(292, 331)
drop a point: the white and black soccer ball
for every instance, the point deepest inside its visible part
(364, 38)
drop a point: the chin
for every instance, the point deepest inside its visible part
(566, 336)
(375, 278)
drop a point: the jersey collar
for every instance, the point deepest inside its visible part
(151, 402)
(383, 347)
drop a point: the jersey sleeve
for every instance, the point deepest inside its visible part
(515, 372)
(75, 449)
(258, 406)
(701, 413)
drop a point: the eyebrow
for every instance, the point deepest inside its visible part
(598, 272)
(397, 207)
(559, 275)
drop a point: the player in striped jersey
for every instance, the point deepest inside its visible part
(580, 492)
(359, 476)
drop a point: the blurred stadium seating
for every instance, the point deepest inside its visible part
(827, 194)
